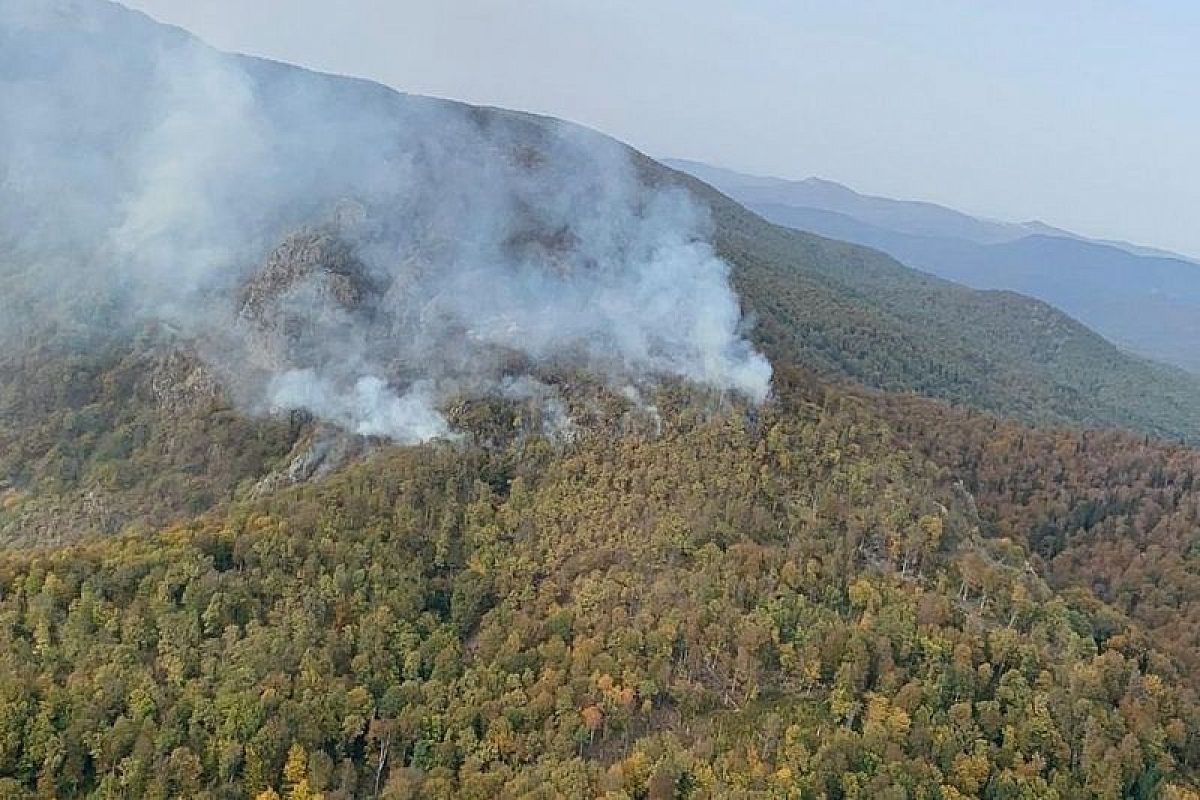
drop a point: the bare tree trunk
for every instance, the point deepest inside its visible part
(385, 745)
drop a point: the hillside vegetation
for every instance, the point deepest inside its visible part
(1145, 300)
(787, 605)
(851, 312)
(95, 437)
(851, 590)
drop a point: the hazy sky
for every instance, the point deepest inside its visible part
(1082, 113)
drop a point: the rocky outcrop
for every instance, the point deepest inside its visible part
(320, 452)
(311, 293)
(319, 261)
(181, 382)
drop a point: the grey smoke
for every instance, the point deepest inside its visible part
(141, 166)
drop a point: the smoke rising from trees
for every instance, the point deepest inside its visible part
(334, 245)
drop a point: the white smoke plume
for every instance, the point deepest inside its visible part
(368, 408)
(451, 249)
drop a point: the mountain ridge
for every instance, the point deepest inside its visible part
(1147, 302)
(928, 218)
(943, 339)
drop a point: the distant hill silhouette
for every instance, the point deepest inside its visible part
(1145, 300)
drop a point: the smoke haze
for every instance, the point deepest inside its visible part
(333, 245)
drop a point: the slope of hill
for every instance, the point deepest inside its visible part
(670, 592)
(849, 311)
(1144, 300)
(914, 217)
(906, 216)
(845, 311)
(794, 602)
(78, 456)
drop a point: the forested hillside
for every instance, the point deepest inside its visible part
(849, 311)
(788, 604)
(1143, 299)
(1102, 511)
(843, 593)
(653, 585)
(98, 436)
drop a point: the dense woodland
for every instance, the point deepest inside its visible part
(1101, 510)
(839, 595)
(95, 436)
(844, 593)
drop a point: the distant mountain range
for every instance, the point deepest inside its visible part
(1144, 299)
(904, 216)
